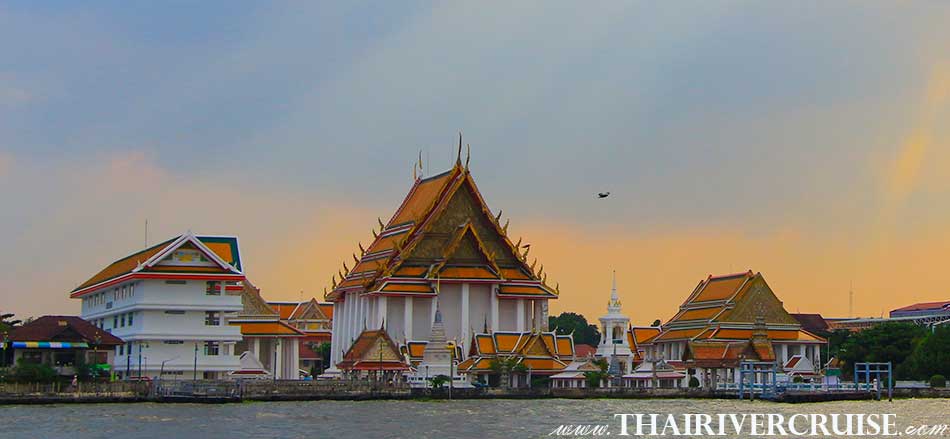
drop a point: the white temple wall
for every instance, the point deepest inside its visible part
(507, 318)
(395, 318)
(479, 307)
(451, 307)
(421, 318)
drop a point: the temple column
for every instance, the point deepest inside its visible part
(520, 315)
(334, 338)
(465, 317)
(278, 360)
(407, 317)
(494, 307)
(380, 311)
(432, 307)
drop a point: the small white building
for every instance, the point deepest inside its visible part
(170, 303)
(614, 325)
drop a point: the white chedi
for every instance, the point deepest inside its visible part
(614, 326)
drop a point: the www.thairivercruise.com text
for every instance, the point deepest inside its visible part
(752, 425)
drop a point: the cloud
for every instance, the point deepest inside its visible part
(908, 167)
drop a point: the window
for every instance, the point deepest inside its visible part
(176, 282)
(122, 320)
(174, 311)
(125, 291)
(115, 321)
(174, 342)
(130, 318)
(121, 349)
(212, 318)
(115, 294)
(132, 289)
(211, 348)
(212, 288)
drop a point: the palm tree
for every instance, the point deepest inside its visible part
(7, 322)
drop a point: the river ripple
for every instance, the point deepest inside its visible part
(482, 419)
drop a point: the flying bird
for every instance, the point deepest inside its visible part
(603, 195)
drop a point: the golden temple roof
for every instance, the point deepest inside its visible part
(442, 232)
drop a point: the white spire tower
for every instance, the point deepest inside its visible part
(613, 327)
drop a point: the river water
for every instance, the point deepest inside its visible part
(480, 419)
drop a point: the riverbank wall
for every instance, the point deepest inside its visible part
(237, 391)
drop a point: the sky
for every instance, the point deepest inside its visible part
(809, 141)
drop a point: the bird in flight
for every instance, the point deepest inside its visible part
(603, 195)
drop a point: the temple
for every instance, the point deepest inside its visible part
(442, 241)
(730, 319)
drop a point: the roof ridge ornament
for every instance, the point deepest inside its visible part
(458, 157)
(468, 155)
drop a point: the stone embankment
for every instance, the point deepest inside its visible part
(236, 391)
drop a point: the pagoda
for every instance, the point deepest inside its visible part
(443, 241)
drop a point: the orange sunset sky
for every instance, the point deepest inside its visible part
(811, 143)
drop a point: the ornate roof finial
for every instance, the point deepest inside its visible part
(375, 235)
(355, 260)
(614, 304)
(498, 217)
(505, 228)
(458, 158)
(362, 250)
(345, 269)
(468, 155)
(518, 245)
(381, 225)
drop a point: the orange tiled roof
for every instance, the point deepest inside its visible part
(698, 314)
(284, 309)
(467, 273)
(267, 328)
(327, 309)
(485, 344)
(224, 248)
(722, 287)
(679, 334)
(423, 206)
(565, 345)
(523, 290)
(400, 287)
(643, 334)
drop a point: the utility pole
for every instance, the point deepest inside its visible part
(194, 376)
(851, 301)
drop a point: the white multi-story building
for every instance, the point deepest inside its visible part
(170, 303)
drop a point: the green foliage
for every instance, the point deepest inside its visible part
(797, 379)
(7, 322)
(602, 364)
(540, 382)
(932, 356)
(938, 381)
(893, 342)
(33, 373)
(693, 381)
(595, 378)
(569, 322)
(439, 381)
(656, 322)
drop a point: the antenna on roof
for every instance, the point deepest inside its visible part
(851, 301)
(146, 232)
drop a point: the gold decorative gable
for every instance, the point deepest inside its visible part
(758, 301)
(254, 304)
(381, 349)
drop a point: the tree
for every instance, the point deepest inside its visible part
(439, 380)
(892, 341)
(7, 322)
(932, 355)
(569, 322)
(504, 367)
(656, 322)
